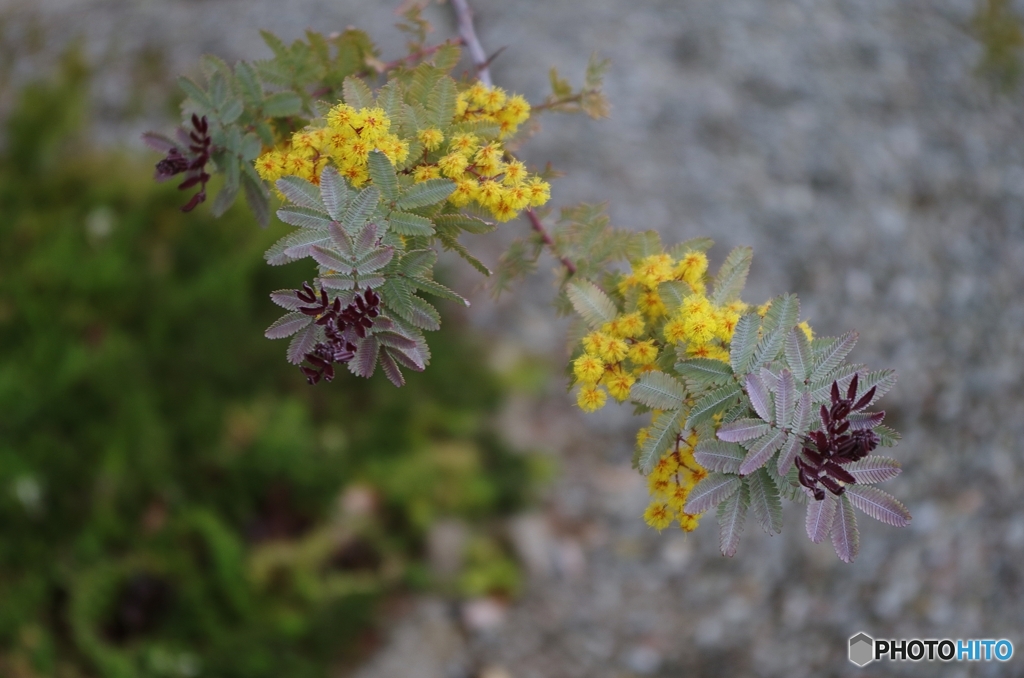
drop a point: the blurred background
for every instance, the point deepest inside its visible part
(175, 501)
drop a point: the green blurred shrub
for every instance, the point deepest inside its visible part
(174, 499)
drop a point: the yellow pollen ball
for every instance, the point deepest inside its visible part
(430, 138)
(692, 267)
(619, 383)
(643, 352)
(688, 522)
(614, 350)
(588, 368)
(651, 305)
(540, 192)
(591, 398)
(658, 516)
(453, 165)
(425, 172)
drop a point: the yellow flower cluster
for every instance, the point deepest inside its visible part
(492, 104)
(346, 142)
(670, 483)
(629, 345)
(705, 329)
(484, 172)
(611, 359)
(482, 175)
(616, 354)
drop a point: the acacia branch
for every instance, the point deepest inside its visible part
(547, 240)
(476, 51)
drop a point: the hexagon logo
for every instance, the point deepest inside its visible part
(862, 649)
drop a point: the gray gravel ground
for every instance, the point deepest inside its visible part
(853, 145)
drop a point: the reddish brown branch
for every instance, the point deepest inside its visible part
(546, 238)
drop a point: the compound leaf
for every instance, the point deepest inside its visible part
(731, 515)
(764, 499)
(711, 491)
(845, 535)
(820, 517)
(732, 276)
(591, 303)
(718, 455)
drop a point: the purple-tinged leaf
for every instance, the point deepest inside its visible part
(785, 397)
(790, 449)
(731, 514)
(158, 142)
(715, 455)
(770, 379)
(412, 358)
(342, 281)
(302, 343)
(820, 517)
(834, 355)
(759, 398)
(860, 421)
(878, 504)
(765, 500)
(743, 429)
(874, 469)
(802, 415)
(342, 240)
(391, 370)
(845, 536)
(375, 261)
(384, 324)
(762, 451)
(798, 354)
(286, 299)
(367, 239)
(393, 339)
(329, 259)
(287, 325)
(711, 491)
(366, 357)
